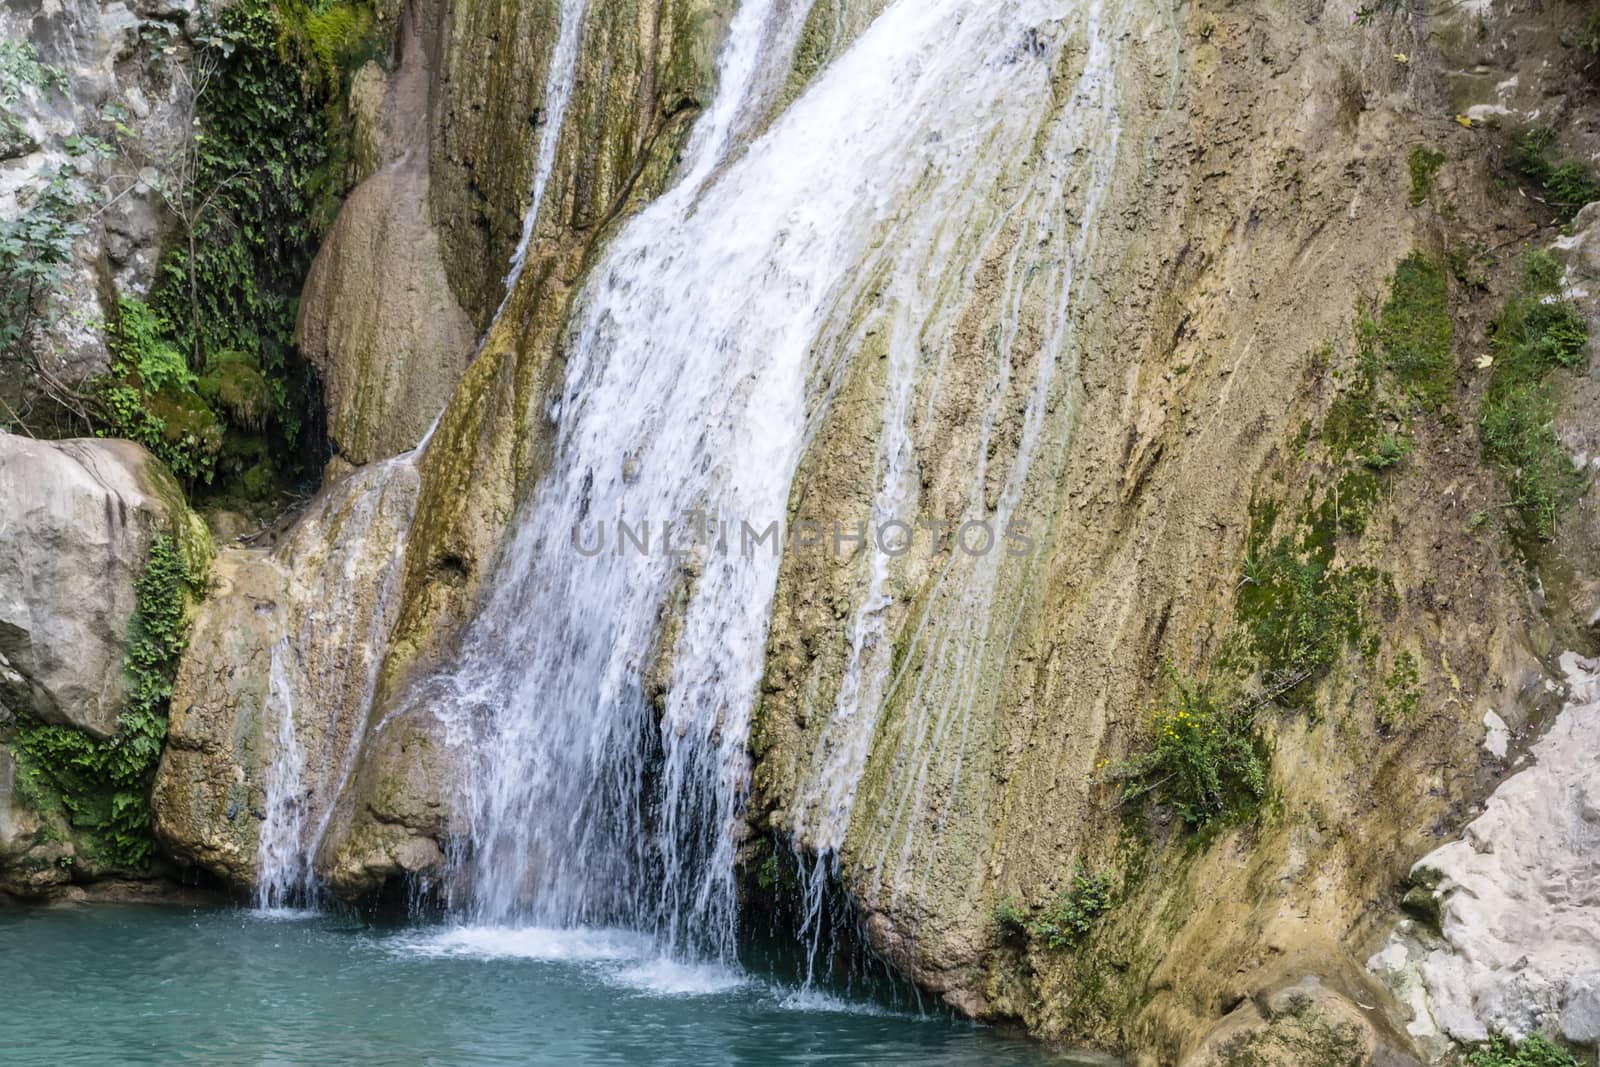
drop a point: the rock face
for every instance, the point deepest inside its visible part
(1298, 1024)
(1518, 950)
(1259, 193)
(283, 658)
(130, 56)
(377, 318)
(79, 517)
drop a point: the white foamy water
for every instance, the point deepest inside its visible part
(577, 944)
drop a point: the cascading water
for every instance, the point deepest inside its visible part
(1056, 168)
(557, 94)
(329, 665)
(698, 359)
(295, 818)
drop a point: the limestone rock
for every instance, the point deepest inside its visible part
(377, 317)
(1303, 1024)
(1519, 895)
(378, 321)
(207, 796)
(288, 642)
(107, 54)
(78, 520)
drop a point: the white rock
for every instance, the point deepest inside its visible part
(1520, 895)
(76, 522)
(1498, 737)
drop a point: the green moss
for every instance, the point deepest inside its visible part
(102, 787)
(1402, 693)
(1414, 331)
(1533, 336)
(1298, 612)
(1423, 163)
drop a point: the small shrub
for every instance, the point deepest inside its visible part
(1536, 1050)
(1402, 693)
(1541, 273)
(1202, 755)
(1067, 920)
(35, 249)
(1423, 163)
(1070, 917)
(1566, 186)
(1532, 337)
(1012, 918)
(20, 70)
(1386, 452)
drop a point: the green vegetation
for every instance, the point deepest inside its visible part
(1533, 335)
(36, 243)
(1067, 920)
(1297, 611)
(1415, 331)
(1536, 1050)
(1402, 693)
(1421, 899)
(101, 786)
(1423, 164)
(35, 249)
(207, 375)
(1202, 755)
(1565, 186)
(1387, 451)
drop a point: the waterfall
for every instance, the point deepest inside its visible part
(1057, 169)
(557, 94)
(282, 857)
(698, 359)
(323, 672)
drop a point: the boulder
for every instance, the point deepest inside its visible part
(76, 522)
(377, 318)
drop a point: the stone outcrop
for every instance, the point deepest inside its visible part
(1517, 949)
(76, 522)
(378, 319)
(131, 57)
(296, 633)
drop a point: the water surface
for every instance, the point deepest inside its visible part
(144, 984)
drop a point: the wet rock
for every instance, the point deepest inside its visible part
(377, 317)
(299, 632)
